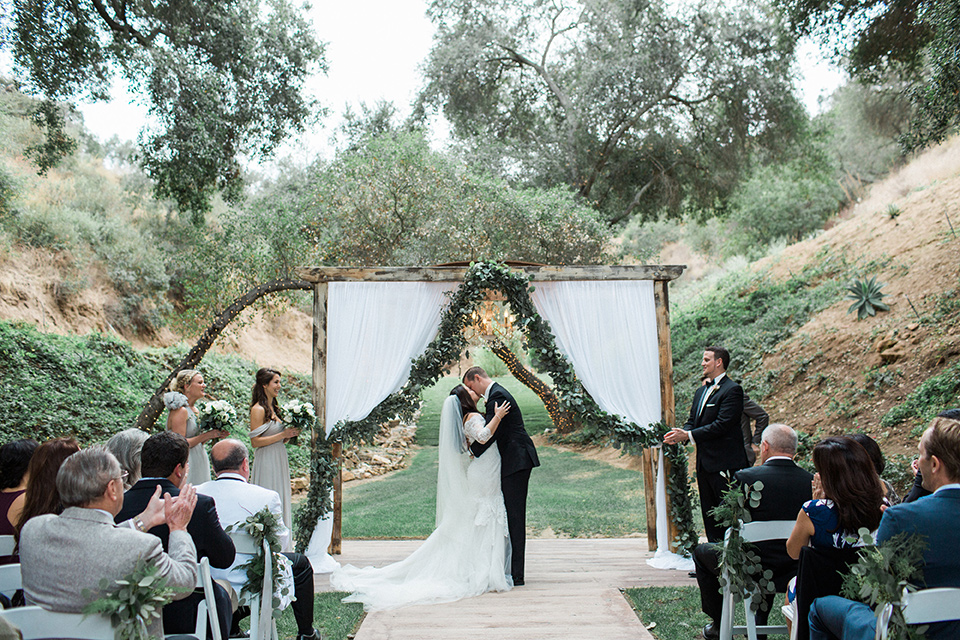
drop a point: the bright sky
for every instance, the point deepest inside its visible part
(374, 50)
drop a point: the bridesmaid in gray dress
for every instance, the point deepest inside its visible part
(271, 469)
(185, 390)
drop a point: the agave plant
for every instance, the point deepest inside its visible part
(867, 297)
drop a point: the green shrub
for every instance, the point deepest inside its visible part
(781, 201)
(930, 398)
(92, 386)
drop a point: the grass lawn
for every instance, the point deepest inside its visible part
(676, 611)
(569, 493)
(334, 619)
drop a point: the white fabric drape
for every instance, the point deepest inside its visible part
(664, 558)
(374, 331)
(608, 332)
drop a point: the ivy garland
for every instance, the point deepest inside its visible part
(446, 348)
(742, 559)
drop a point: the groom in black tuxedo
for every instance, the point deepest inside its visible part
(714, 427)
(518, 457)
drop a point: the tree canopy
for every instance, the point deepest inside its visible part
(914, 41)
(222, 79)
(386, 199)
(636, 106)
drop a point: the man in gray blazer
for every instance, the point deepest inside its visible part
(60, 556)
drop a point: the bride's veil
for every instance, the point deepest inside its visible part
(452, 473)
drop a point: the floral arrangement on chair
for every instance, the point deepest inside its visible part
(218, 414)
(742, 559)
(263, 525)
(880, 575)
(136, 601)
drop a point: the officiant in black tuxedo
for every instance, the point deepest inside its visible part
(714, 427)
(518, 457)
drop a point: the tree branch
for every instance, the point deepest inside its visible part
(148, 416)
(122, 28)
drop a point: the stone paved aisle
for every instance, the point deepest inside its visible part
(571, 592)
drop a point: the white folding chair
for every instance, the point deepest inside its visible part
(7, 545)
(939, 604)
(39, 624)
(10, 579)
(207, 610)
(262, 624)
(759, 531)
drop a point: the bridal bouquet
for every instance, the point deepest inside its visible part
(218, 414)
(299, 415)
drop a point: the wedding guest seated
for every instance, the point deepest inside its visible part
(42, 496)
(163, 460)
(14, 460)
(879, 464)
(125, 447)
(937, 518)
(847, 497)
(918, 490)
(64, 555)
(237, 500)
(786, 487)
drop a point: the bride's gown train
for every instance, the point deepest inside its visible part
(467, 554)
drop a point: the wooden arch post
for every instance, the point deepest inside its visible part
(660, 274)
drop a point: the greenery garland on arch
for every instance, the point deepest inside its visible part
(445, 349)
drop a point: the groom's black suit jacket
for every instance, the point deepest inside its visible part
(517, 452)
(716, 431)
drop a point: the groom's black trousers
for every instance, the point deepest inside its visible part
(514, 489)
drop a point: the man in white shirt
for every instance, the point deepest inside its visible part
(236, 501)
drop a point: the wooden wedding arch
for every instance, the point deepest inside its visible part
(661, 275)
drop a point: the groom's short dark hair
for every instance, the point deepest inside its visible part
(474, 372)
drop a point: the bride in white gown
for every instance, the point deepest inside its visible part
(468, 552)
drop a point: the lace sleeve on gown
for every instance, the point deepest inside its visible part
(476, 429)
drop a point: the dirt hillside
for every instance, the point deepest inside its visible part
(31, 290)
(830, 374)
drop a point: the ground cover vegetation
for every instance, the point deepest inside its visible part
(675, 611)
(93, 386)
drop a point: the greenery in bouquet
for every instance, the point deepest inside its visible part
(299, 415)
(218, 414)
(135, 601)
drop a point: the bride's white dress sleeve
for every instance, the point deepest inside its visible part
(476, 429)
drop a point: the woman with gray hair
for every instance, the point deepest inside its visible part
(125, 447)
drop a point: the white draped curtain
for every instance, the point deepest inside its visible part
(608, 332)
(374, 331)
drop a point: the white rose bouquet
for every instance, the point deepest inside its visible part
(299, 415)
(218, 414)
